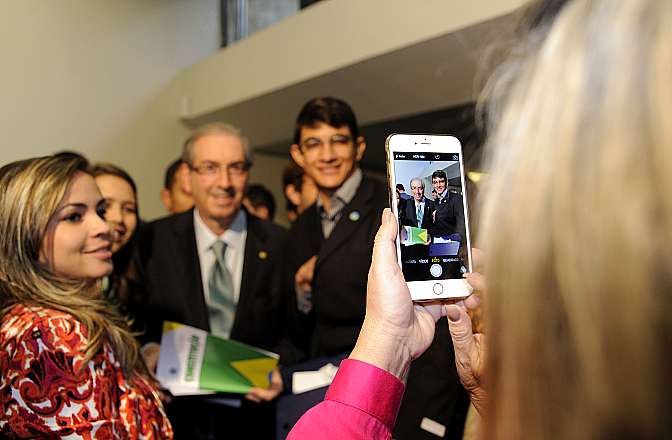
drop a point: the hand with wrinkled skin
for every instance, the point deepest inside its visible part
(395, 330)
(470, 347)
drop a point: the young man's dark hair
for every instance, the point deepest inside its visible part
(169, 178)
(400, 187)
(440, 174)
(259, 195)
(331, 111)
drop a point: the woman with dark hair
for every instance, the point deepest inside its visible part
(119, 191)
(69, 364)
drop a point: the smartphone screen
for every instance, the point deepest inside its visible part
(431, 212)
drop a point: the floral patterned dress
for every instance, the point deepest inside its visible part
(47, 391)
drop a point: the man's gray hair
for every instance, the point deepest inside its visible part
(214, 128)
(422, 183)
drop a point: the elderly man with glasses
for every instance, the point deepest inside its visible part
(217, 268)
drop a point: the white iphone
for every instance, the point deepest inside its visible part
(426, 179)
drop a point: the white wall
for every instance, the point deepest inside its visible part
(98, 76)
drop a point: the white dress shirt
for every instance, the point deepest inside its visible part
(234, 237)
(420, 204)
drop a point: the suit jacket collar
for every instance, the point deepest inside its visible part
(183, 226)
(187, 253)
(256, 253)
(354, 215)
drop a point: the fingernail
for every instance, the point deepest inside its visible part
(453, 313)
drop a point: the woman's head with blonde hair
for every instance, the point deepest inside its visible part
(31, 194)
(578, 229)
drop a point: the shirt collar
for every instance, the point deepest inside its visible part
(443, 194)
(346, 192)
(233, 236)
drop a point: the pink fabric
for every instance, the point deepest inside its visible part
(362, 403)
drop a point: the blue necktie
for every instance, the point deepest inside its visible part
(221, 307)
(420, 215)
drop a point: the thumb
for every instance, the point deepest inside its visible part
(384, 248)
(459, 325)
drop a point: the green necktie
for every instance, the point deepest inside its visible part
(221, 307)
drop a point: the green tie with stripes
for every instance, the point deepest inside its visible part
(221, 306)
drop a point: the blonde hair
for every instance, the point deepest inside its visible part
(578, 229)
(30, 193)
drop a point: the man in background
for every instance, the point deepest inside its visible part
(299, 190)
(174, 195)
(402, 192)
(259, 202)
(219, 269)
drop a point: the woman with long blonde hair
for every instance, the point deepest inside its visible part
(70, 365)
(578, 231)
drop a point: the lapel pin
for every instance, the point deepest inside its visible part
(263, 255)
(354, 216)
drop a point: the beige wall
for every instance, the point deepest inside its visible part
(322, 38)
(98, 76)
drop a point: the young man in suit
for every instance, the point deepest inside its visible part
(330, 255)
(333, 239)
(217, 268)
(449, 215)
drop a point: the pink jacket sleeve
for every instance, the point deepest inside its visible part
(361, 403)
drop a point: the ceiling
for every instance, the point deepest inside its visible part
(425, 87)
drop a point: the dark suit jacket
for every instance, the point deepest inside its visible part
(408, 216)
(172, 276)
(449, 218)
(339, 280)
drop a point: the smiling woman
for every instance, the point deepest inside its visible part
(70, 366)
(121, 288)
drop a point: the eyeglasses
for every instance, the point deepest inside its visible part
(234, 169)
(339, 142)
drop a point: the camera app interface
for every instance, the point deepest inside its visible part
(432, 232)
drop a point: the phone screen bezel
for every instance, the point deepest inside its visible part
(426, 290)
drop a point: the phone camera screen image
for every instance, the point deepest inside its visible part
(432, 233)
